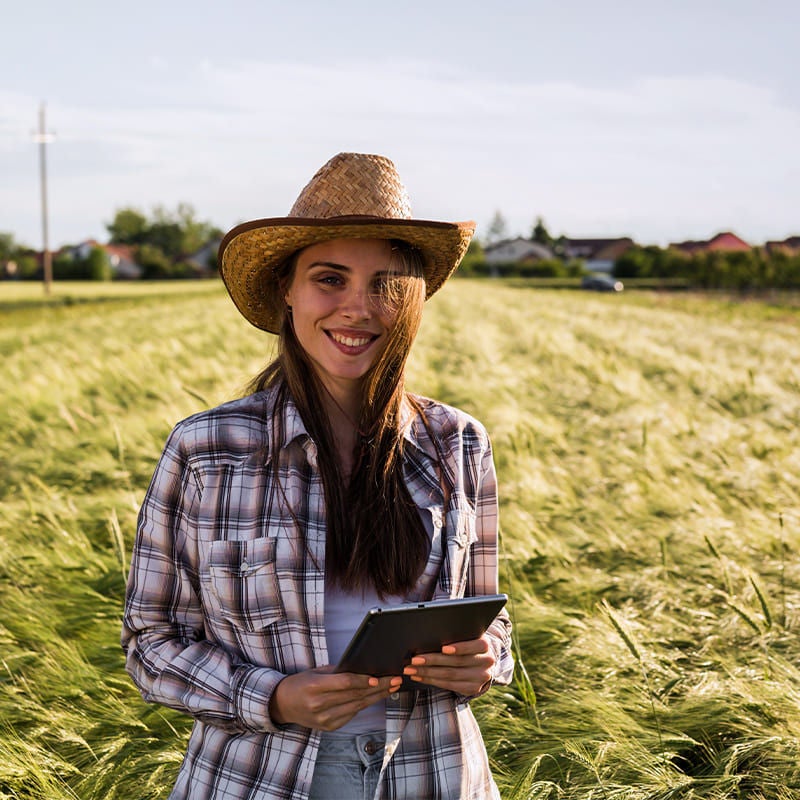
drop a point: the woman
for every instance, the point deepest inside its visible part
(273, 522)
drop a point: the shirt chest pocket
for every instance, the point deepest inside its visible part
(241, 582)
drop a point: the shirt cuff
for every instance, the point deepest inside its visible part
(251, 696)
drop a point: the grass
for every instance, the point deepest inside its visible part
(647, 451)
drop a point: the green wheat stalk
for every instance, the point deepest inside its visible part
(782, 571)
(626, 637)
(725, 575)
(763, 601)
(522, 679)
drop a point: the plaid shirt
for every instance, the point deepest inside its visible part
(225, 598)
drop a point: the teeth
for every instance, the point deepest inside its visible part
(349, 341)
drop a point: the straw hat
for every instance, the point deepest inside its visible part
(353, 196)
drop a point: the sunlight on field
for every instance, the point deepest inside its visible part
(648, 453)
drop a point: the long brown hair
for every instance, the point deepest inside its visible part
(375, 536)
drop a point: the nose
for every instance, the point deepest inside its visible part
(357, 304)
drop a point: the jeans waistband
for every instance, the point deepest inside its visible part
(363, 748)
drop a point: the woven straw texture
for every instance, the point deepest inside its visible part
(354, 185)
(353, 196)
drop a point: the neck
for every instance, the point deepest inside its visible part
(344, 400)
(343, 410)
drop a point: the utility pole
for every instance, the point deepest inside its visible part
(42, 137)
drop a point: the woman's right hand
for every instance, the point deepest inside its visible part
(323, 699)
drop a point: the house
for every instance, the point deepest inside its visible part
(123, 263)
(790, 246)
(599, 255)
(515, 251)
(80, 252)
(726, 242)
(120, 257)
(204, 260)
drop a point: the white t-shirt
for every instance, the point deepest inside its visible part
(343, 614)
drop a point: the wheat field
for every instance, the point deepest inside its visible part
(648, 454)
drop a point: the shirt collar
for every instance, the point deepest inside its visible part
(414, 431)
(293, 426)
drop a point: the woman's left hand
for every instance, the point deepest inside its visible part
(464, 667)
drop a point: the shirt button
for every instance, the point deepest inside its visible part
(394, 696)
(245, 565)
(370, 748)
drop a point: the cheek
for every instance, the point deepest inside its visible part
(388, 320)
(309, 307)
(386, 312)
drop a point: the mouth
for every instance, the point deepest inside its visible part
(355, 342)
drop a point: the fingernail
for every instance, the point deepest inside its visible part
(418, 661)
(409, 671)
(448, 650)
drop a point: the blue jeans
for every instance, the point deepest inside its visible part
(348, 766)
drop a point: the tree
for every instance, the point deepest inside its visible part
(175, 233)
(16, 260)
(154, 262)
(559, 247)
(8, 246)
(167, 236)
(95, 267)
(163, 241)
(195, 233)
(98, 266)
(129, 226)
(498, 228)
(635, 262)
(540, 233)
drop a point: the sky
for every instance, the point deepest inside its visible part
(662, 121)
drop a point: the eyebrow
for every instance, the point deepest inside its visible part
(329, 264)
(340, 267)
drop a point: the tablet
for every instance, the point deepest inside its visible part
(389, 636)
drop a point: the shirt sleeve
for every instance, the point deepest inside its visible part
(482, 576)
(167, 654)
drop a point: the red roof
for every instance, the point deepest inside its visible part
(124, 251)
(726, 242)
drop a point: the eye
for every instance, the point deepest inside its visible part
(330, 279)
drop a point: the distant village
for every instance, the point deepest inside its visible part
(139, 250)
(164, 244)
(122, 262)
(601, 255)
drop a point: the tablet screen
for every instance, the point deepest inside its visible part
(389, 636)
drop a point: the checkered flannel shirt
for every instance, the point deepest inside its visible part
(225, 598)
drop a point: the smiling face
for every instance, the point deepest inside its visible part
(340, 312)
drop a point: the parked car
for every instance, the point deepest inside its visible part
(601, 283)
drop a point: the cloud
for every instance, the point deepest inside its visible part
(657, 157)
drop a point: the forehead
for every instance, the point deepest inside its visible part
(354, 253)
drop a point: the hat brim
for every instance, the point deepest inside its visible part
(250, 252)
